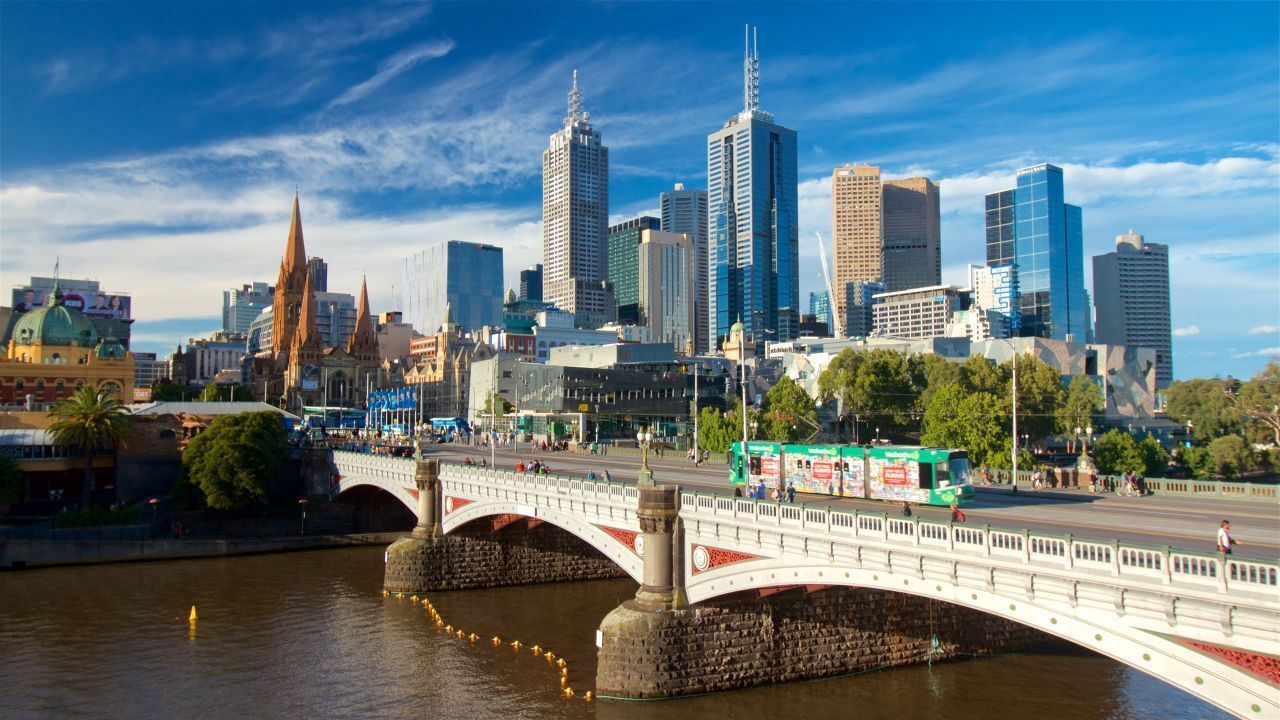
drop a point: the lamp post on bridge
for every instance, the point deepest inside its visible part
(644, 439)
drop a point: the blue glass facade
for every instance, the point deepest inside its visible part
(1033, 227)
(464, 277)
(753, 224)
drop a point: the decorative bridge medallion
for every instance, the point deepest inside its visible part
(453, 503)
(632, 539)
(1266, 667)
(709, 558)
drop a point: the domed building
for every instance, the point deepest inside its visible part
(54, 350)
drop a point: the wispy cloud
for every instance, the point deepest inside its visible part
(395, 65)
(1264, 352)
(1265, 330)
(1188, 331)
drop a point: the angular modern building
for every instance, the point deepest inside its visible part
(1131, 295)
(531, 283)
(575, 215)
(685, 211)
(462, 276)
(820, 306)
(912, 233)
(1032, 227)
(859, 302)
(753, 223)
(241, 305)
(624, 266)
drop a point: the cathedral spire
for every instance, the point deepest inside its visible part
(295, 253)
(363, 343)
(307, 331)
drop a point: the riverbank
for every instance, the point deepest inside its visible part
(20, 554)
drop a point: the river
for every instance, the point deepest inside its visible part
(308, 634)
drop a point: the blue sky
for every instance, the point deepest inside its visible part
(156, 147)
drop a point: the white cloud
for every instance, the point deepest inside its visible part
(1265, 330)
(401, 62)
(1186, 331)
(1264, 352)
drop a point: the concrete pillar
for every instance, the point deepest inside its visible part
(427, 478)
(658, 513)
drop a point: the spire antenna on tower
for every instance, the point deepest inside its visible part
(576, 114)
(750, 71)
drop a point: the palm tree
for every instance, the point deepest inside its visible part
(89, 419)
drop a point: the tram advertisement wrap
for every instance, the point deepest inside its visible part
(897, 479)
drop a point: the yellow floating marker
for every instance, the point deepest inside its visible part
(448, 628)
(564, 672)
(385, 593)
(473, 637)
(399, 596)
(439, 622)
(461, 635)
(564, 682)
(497, 641)
(589, 696)
(568, 693)
(560, 662)
(413, 598)
(517, 644)
(549, 656)
(192, 617)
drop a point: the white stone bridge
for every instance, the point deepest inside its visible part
(1207, 623)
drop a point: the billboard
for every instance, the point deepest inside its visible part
(94, 304)
(310, 377)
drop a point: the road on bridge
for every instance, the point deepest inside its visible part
(1182, 522)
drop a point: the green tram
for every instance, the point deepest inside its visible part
(921, 475)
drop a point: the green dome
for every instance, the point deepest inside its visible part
(736, 329)
(55, 324)
(110, 348)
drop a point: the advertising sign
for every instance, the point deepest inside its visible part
(895, 475)
(104, 305)
(310, 377)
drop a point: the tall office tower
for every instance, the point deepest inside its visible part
(995, 290)
(462, 276)
(685, 211)
(624, 267)
(241, 305)
(666, 285)
(912, 234)
(753, 223)
(531, 283)
(319, 271)
(856, 204)
(1032, 227)
(1131, 295)
(575, 213)
(820, 306)
(859, 299)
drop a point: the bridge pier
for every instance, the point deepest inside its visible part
(796, 634)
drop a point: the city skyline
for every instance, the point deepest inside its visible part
(1134, 110)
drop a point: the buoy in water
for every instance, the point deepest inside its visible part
(549, 656)
(564, 681)
(536, 649)
(192, 617)
(461, 635)
(448, 628)
(497, 641)
(473, 637)
(568, 692)
(560, 662)
(589, 696)
(564, 672)
(385, 593)
(413, 598)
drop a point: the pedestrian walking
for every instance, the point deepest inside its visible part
(606, 476)
(956, 515)
(1225, 541)
(906, 509)
(791, 493)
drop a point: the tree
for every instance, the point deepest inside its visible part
(930, 373)
(214, 392)
(89, 419)
(1198, 462)
(976, 422)
(497, 401)
(168, 392)
(789, 412)
(733, 422)
(1232, 456)
(714, 431)
(1154, 457)
(234, 460)
(977, 374)
(1080, 406)
(1116, 452)
(1258, 401)
(1040, 396)
(1206, 404)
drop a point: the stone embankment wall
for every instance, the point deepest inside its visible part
(742, 641)
(483, 557)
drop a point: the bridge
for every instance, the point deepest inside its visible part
(1206, 623)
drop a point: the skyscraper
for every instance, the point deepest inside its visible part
(241, 305)
(531, 283)
(624, 267)
(1131, 295)
(685, 211)
(319, 271)
(912, 233)
(575, 214)
(666, 285)
(820, 306)
(1032, 227)
(462, 276)
(855, 223)
(753, 222)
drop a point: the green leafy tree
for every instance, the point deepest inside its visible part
(932, 372)
(214, 392)
(733, 422)
(1258, 401)
(1198, 462)
(977, 374)
(89, 419)
(11, 480)
(789, 413)
(234, 460)
(714, 431)
(1154, 457)
(1080, 407)
(1206, 404)
(1117, 452)
(168, 392)
(497, 402)
(1040, 396)
(977, 422)
(1232, 456)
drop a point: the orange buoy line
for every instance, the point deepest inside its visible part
(565, 691)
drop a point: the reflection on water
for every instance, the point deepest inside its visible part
(309, 635)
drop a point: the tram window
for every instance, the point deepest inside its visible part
(926, 475)
(755, 464)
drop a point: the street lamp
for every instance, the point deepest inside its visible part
(877, 436)
(754, 425)
(1085, 463)
(303, 504)
(644, 438)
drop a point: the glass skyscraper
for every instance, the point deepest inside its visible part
(1032, 227)
(753, 222)
(462, 276)
(684, 210)
(624, 266)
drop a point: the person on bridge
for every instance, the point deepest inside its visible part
(906, 509)
(791, 493)
(607, 478)
(1225, 541)
(956, 515)
(591, 474)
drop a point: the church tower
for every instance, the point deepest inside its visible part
(306, 352)
(292, 283)
(363, 343)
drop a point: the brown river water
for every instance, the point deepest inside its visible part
(308, 635)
